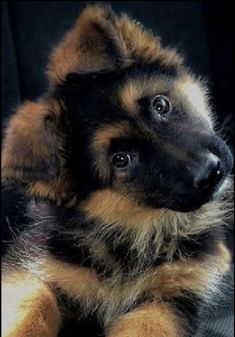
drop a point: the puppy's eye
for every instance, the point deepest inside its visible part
(121, 160)
(161, 104)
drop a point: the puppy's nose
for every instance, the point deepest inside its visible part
(209, 172)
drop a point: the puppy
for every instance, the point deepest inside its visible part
(128, 185)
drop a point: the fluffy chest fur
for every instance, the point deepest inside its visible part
(113, 272)
(109, 298)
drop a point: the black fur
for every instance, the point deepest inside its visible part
(71, 251)
(13, 215)
(98, 104)
(87, 326)
(188, 307)
(66, 247)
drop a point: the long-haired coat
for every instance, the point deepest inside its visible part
(128, 185)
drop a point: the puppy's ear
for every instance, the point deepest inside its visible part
(32, 144)
(92, 45)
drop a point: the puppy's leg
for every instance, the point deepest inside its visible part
(224, 258)
(153, 320)
(29, 309)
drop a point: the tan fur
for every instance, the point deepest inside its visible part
(21, 144)
(134, 89)
(26, 143)
(143, 44)
(115, 210)
(110, 296)
(194, 95)
(169, 56)
(101, 138)
(172, 279)
(185, 91)
(111, 207)
(82, 48)
(30, 309)
(129, 95)
(149, 320)
(100, 142)
(76, 281)
(224, 258)
(138, 41)
(57, 190)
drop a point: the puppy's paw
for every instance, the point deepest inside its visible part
(224, 258)
(151, 321)
(29, 309)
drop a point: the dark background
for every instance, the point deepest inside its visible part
(201, 30)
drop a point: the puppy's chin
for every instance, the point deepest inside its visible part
(181, 203)
(187, 202)
(186, 207)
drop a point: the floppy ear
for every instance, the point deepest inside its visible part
(92, 45)
(100, 41)
(32, 144)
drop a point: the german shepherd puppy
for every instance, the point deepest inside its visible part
(128, 184)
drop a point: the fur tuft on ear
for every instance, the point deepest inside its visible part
(92, 45)
(35, 150)
(31, 144)
(141, 43)
(102, 41)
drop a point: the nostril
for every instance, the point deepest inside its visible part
(210, 176)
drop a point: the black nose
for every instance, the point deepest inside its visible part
(209, 173)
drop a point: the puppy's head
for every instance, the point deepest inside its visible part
(124, 123)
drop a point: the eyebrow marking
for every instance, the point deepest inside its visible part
(136, 88)
(194, 94)
(100, 143)
(104, 134)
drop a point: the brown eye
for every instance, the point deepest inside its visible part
(121, 160)
(161, 104)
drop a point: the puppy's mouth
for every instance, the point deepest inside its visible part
(186, 201)
(180, 203)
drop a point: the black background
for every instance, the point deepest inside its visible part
(200, 30)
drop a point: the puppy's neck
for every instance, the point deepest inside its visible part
(129, 250)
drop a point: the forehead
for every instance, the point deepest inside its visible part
(125, 88)
(185, 92)
(103, 98)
